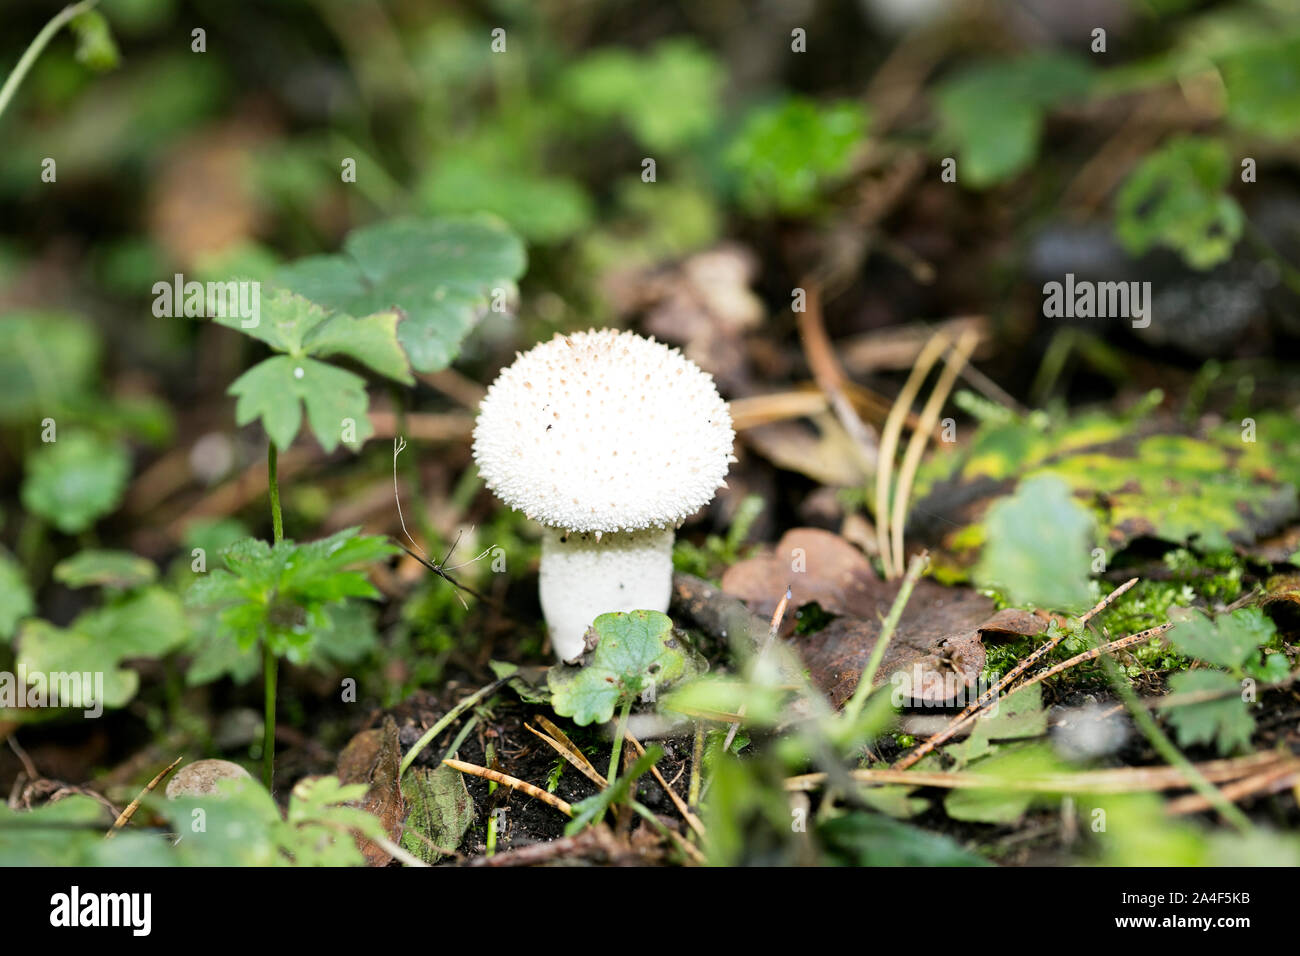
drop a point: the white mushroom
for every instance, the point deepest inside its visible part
(610, 440)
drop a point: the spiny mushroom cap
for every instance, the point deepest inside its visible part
(604, 431)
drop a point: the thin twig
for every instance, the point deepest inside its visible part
(860, 693)
(514, 783)
(1117, 780)
(691, 819)
(969, 714)
(1093, 654)
(125, 816)
(1273, 778)
(777, 615)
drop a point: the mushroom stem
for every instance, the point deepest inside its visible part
(582, 578)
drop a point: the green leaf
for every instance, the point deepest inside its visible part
(216, 654)
(992, 113)
(1263, 87)
(1228, 641)
(15, 596)
(441, 809)
(336, 400)
(70, 832)
(1257, 847)
(868, 839)
(46, 360)
(1038, 548)
(349, 636)
(785, 154)
(146, 624)
(1017, 717)
(371, 340)
(291, 596)
(320, 827)
(115, 569)
(95, 46)
(1226, 720)
(1175, 198)
(1274, 668)
(542, 208)
(529, 692)
(587, 811)
(75, 481)
(1002, 805)
(669, 97)
(440, 273)
(636, 649)
(242, 825)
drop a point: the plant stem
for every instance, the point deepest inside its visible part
(37, 46)
(697, 768)
(618, 742)
(273, 486)
(446, 721)
(860, 694)
(1165, 747)
(618, 748)
(270, 663)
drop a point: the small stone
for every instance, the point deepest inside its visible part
(199, 779)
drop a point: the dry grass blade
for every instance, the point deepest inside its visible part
(755, 410)
(565, 747)
(125, 816)
(775, 626)
(930, 353)
(1119, 780)
(830, 377)
(514, 783)
(955, 362)
(1272, 779)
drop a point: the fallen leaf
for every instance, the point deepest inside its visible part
(704, 304)
(824, 453)
(1215, 490)
(441, 810)
(937, 648)
(373, 757)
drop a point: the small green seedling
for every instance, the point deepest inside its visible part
(432, 278)
(1232, 645)
(281, 595)
(637, 653)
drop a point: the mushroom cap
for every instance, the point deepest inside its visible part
(604, 431)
